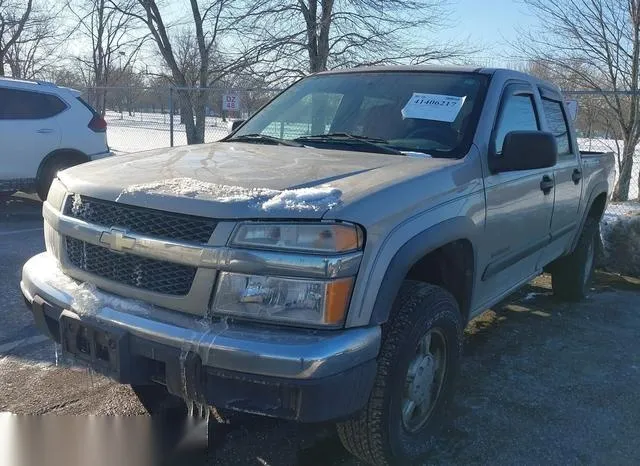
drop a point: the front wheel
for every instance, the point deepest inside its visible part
(571, 275)
(417, 368)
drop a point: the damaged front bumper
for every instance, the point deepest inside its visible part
(306, 375)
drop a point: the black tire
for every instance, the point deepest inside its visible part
(158, 401)
(378, 434)
(571, 275)
(50, 170)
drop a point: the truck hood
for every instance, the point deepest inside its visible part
(239, 180)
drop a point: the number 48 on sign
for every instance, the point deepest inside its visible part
(230, 102)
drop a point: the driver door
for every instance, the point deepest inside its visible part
(518, 210)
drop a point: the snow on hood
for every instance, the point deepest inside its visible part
(189, 187)
(318, 199)
(315, 199)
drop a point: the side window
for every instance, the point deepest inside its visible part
(24, 105)
(517, 113)
(557, 121)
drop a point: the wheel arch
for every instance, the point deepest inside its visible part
(70, 153)
(442, 255)
(595, 209)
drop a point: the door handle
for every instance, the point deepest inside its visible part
(44, 131)
(546, 185)
(576, 176)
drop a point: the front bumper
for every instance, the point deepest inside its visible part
(306, 375)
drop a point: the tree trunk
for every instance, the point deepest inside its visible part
(186, 114)
(1, 63)
(199, 110)
(621, 193)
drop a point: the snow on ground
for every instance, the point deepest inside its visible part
(145, 131)
(611, 145)
(620, 235)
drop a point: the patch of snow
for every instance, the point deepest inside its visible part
(532, 295)
(189, 187)
(302, 199)
(87, 299)
(316, 199)
(616, 212)
(623, 209)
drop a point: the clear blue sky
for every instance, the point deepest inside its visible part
(489, 24)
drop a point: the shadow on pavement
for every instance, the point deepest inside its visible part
(20, 206)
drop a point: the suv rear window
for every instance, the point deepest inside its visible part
(26, 105)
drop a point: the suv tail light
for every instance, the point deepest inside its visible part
(98, 124)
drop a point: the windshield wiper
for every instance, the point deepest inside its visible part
(255, 137)
(372, 142)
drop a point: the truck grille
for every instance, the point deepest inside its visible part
(140, 272)
(140, 220)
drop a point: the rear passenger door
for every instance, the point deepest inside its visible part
(567, 173)
(518, 210)
(28, 131)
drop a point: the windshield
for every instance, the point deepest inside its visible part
(429, 112)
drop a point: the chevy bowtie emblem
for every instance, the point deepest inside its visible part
(117, 240)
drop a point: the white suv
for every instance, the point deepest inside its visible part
(44, 129)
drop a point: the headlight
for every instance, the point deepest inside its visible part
(57, 193)
(319, 237)
(275, 299)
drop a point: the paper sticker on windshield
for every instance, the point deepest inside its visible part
(433, 107)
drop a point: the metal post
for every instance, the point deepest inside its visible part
(171, 116)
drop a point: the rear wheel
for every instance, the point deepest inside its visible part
(50, 170)
(571, 275)
(417, 368)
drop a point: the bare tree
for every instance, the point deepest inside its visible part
(189, 47)
(114, 42)
(14, 15)
(37, 49)
(314, 35)
(597, 42)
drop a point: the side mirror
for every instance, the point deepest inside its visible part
(525, 150)
(236, 124)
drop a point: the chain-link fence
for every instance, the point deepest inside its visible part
(146, 118)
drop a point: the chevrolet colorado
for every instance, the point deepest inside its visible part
(321, 262)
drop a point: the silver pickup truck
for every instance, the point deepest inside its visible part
(321, 262)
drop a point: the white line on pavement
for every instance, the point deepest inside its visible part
(15, 232)
(7, 347)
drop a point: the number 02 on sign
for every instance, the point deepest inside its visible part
(433, 107)
(230, 102)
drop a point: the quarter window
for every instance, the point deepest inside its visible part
(517, 114)
(25, 105)
(557, 122)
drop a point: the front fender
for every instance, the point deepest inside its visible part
(409, 254)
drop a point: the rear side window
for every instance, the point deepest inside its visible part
(557, 122)
(89, 107)
(25, 105)
(517, 114)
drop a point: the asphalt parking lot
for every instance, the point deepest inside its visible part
(542, 382)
